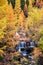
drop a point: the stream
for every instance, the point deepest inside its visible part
(25, 51)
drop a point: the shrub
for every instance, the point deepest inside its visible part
(40, 43)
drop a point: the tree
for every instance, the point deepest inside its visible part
(40, 43)
(12, 2)
(3, 19)
(6, 21)
(17, 7)
(22, 4)
(3, 22)
(27, 2)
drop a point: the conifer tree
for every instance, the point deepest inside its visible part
(22, 4)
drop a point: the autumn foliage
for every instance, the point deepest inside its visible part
(13, 19)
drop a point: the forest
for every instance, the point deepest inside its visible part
(21, 21)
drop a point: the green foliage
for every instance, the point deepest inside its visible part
(12, 2)
(9, 1)
(40, 43)
(27, 2)
(22, 4)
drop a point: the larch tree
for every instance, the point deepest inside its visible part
(30, 3)
(17, 7)
(6, 20)
(3, 18)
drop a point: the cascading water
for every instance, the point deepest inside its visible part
(32, 45)
(22, 45)
(21, 48)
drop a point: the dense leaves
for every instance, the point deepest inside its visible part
(40, 43)
(13, 20)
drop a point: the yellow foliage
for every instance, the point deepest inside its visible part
(3, 11)
(3, 48)
(33, 18)
(41, 13)
(3, 2)
(3, 23)
(1, 51)
(41, 30)
(15, 20)
(17, 7)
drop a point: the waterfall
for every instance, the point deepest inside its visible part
(32, 44)
(26, 52)
(19, 49)
(22, 44)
